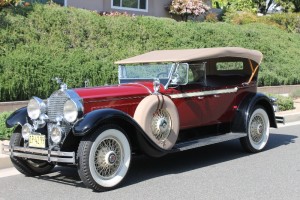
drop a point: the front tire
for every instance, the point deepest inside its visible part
(258, 131)
(104, 158)
(28, 167)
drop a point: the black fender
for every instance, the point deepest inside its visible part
(19, 117)
(92, 120)
(241, 118)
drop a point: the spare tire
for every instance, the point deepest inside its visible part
(158, 117)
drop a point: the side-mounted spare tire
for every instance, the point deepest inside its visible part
(158, 117)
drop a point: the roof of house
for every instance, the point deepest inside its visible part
(189, 55)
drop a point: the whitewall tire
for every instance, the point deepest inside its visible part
(104, 158)
(258, 131)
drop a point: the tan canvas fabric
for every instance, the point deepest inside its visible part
(188, 55)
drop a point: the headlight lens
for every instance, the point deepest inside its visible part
(27, 129)
(56, 134)
(71, 110)
(35, 108)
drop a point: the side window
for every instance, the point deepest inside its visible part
(197, 73)
(230, 66)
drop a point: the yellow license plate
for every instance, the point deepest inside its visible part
(37, 141)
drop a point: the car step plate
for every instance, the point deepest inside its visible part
(207, 141)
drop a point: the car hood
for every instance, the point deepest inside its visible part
(114, 91)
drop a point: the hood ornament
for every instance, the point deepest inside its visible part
(63, 86)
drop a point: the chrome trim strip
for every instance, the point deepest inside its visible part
(142, 86)
(116, 99)
(40, 154)
(204, 93)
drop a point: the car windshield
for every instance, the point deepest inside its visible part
(145, 72)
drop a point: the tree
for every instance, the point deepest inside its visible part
(186, 8)
(288, 5)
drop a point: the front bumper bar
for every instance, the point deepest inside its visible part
(39, 154)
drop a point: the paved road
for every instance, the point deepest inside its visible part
(221, 171)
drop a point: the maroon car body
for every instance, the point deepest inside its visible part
(166, 101)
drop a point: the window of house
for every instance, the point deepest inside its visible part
(138, 5)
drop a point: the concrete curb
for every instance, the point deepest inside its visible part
(4, 159)
(288, 118)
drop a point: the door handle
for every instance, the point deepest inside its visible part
(216, 95)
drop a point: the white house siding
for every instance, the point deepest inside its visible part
(155, 7)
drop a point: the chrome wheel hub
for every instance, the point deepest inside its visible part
(257, 129)
(161, 124)
(108, 157)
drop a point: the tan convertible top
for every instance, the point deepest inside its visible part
(188, 55)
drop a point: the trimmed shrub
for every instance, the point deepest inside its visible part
(211, 17)
(5, 133)
(41, 42)
(284, 103)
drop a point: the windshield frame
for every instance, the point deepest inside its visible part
(164, 81)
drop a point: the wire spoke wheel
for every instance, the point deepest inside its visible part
(258, 131)
(257, 128)
(108, 157)
(161, 124)
(104, 158)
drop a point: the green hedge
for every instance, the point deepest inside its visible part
(5, 133)
(45, 41)
(284, 103)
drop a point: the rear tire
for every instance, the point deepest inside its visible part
(258, 130)
(104, 158)
(28, 167)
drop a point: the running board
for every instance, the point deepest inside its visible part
(207, 141)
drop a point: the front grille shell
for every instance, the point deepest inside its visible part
(55, 107)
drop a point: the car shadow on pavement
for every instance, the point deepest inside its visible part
(145, 168)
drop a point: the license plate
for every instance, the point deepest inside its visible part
(37, 141)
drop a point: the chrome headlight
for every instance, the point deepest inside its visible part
(72, 110)
(36, 107)
(27, 129)
(56, 134)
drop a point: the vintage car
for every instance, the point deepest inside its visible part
(166, 101)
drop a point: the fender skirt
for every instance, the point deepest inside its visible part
(19, 117)
(92, 120)
(244, 110)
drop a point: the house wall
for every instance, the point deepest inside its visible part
(94, 5)
(155, 7)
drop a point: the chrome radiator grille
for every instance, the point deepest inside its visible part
(56, 105)
(55, 110)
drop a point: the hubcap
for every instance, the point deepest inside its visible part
(257, 129)
(161, 124)
(108, 158)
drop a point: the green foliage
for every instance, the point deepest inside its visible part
(289, 5)
(41, 42)
(284, 103)
(211, 17)
(290, 21)
(235, 5)
(240, 18)
(287, 21)
(5, 133)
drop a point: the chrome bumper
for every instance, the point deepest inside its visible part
(40, 154)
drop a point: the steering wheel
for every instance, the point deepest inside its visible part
(162, 73)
